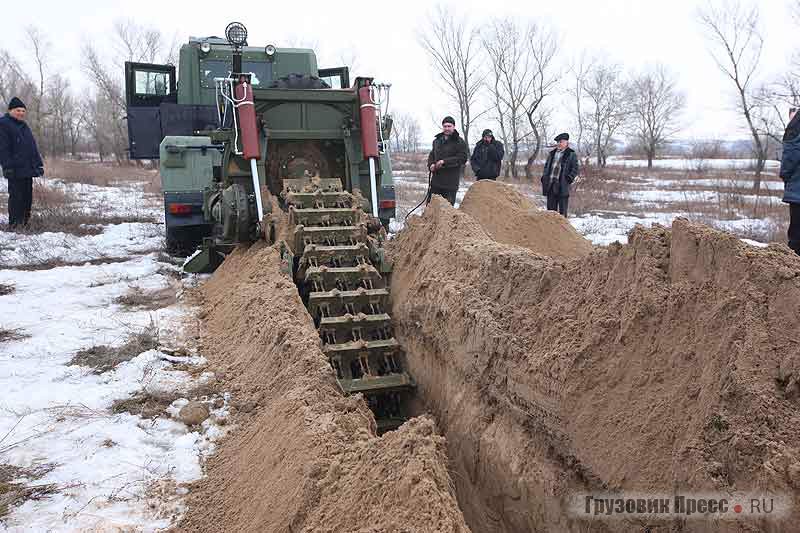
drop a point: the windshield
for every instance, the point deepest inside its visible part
(220, 68)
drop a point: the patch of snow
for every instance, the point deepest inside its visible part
(689, 164)
(755, 243)
(116, 240)
(111, 471)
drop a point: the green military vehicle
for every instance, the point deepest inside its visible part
(247, 129)
(308, 122)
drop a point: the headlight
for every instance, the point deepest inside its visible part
(205, 47)
(270, 50)
(236, 34)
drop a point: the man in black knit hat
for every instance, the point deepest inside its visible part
(560, 170)
(20, 160)
(446, 161)
(487, 157)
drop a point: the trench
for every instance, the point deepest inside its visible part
(510, 471)
(542, 370)
(509, 458)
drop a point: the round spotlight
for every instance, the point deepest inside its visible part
(205, 47)
(270, 50)
(236, 34)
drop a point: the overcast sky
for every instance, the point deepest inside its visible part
(383, 36)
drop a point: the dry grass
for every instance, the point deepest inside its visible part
(103, 174)
(39, 262)
(103, 358)
(54, 211)
(151, 404)
(147, 404)
(13, 493)
(12, 334)
(138, 299)
(410, 162)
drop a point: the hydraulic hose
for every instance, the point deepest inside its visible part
(427, 193)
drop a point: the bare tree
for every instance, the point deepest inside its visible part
(511, 81)
(522, 76)
(607, 107)
(453, 50)
(579, 71)
(140, 43)
(543, 45)
(105, 117)
(735, 36)
(655, 104)
(13, 80)
(405, 132)
(61, 107)
(40, 48)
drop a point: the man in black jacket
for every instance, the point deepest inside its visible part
(487, 157)
(560, 170)
(790, 173)
(446, 161)
(20, 160)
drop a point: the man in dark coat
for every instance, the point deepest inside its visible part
(487, 157)
(560, 170)
(20, 160)
(790, 172)
(446, 161)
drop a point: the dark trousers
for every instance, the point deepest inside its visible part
(794, 228)
(557, 203)
(450, 196)
(20, 198)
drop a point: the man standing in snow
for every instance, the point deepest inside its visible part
(20, 160)
(790, 172)
(560, 170)
(487, 157)
(446, 161)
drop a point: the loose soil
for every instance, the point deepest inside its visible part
(303, 457)
(669, 364)
(510, 217)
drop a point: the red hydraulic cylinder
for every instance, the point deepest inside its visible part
(243, 92)
(369, 124)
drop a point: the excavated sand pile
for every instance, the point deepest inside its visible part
(302, 457)
(510, 217)
(670, 363)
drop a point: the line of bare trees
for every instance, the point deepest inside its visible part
(510, 73)
(74, 121)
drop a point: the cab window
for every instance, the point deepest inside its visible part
(152, 83)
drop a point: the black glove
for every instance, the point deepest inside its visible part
(8, 173)
(40, 171)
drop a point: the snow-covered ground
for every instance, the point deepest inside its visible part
(98, 469)
(691, 164)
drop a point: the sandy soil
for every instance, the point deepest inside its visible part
(670, 363)
(303, 457)
(510, 217)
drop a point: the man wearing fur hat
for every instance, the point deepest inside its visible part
(446, 161)
(20, 160)
(487, 157)
(560, 170)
